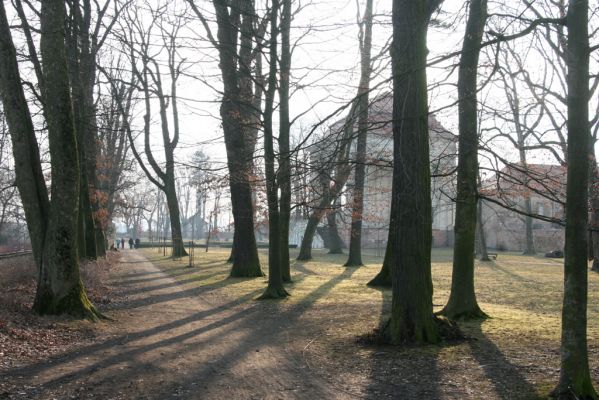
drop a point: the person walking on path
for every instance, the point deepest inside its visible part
(123, 243)
(130, 243)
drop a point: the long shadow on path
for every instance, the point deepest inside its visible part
(119, 361)
(508, 381)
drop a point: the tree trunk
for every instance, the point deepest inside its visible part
(482, 239)
(355, 237)
(412, 319)
(462, 302)
(86, 226)
(594, 226)
(529, 250)
(593, 246)
(383, 278)
(305, 252)
(335, 243)
(237, 113)
(245, 251)
(275, 289)
(575, 380)
(60, 289)
(175, 217)
(284, 129)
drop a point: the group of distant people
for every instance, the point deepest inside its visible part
(133, 244)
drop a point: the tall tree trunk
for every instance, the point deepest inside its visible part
(75, 48)
(237, 116)
(245, 251)
(175, 217)
(575, 380)
(275, 289)
(529, 250)
(60, 289)
(482, 239)
(305, 252)
(284, 128)
(412, 318)
(462, 302)
(355, 237)
(594, 220)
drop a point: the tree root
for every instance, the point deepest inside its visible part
(353, 264)
(273, 293)
(381, 280)
(472, 314)
(563, 392)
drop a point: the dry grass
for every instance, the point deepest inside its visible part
(520, 342)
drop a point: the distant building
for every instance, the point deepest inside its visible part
(504, 226)
(195, 227)
(379, 174)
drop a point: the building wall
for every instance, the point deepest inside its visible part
(505, 229)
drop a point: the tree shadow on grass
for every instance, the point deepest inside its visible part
(496, 266)
(302, 268)
(196, 278)
(508, 381)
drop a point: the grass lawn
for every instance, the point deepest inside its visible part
(514, 354)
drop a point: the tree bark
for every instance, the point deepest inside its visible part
(575, 380)
(60, 289)
(284, 175)
(383, 278)
(85, 225)
(275, 289)
(237, 117)
(482, 239)
(594, 222)
(355, 237)
(462, 302)
(335, 242)
(412, 319)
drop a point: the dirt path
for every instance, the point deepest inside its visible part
(167, 341)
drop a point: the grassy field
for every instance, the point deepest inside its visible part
(522, 295)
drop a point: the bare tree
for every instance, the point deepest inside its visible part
(149, 77)
(365, 38)
(412, 318)
(462, 299)
(238, 41)
(575, 380)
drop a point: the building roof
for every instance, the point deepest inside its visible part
(518, 180)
